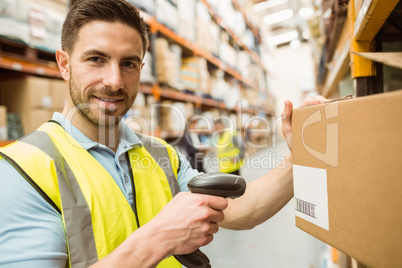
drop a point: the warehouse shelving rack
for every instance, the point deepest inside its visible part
(254, 56)
(359, 34)
(169, 93)
(21, 58)
(28, 62)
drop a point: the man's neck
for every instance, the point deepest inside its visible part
(106, 135)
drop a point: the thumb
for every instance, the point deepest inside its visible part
(287, 112)
(287, 123)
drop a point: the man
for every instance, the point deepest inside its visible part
(192, 145)
(83, 190)
(230, 148)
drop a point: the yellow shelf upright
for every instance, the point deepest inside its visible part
(367, 22)
(371, 17)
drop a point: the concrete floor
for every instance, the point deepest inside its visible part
(276, 243)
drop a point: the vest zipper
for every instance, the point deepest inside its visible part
(134, 206)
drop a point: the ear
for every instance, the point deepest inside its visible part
(63, 61)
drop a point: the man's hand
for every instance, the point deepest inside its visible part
(188, 222)
(287, 116)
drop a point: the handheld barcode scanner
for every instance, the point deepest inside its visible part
(218, 184)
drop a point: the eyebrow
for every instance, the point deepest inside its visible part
(95, 52)
(133, 58)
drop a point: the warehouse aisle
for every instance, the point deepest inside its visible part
(275, 244)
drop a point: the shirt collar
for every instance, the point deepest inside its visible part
(127, 138)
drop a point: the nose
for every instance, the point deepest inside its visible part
(113, 77)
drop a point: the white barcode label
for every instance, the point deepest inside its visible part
(305, 208)
(311, 195)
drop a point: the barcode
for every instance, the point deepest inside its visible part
(305, 208)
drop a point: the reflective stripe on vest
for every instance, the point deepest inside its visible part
(227, 153)
(71, 180)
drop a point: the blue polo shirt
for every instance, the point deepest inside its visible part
(31, 230)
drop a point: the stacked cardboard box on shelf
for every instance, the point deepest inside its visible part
(208, 32)
(232, 99)
(258, 98)
(243, 98)
(252, 96)
(173, 116)
(226, 52)
(250, 13)
(139, 117)
(146, 72)
(243, 62)
(36, 23)
(257, 134)
(231, 17)
(167, 63)
(257, 75)
(59, 93)
(146, 5)
(219, 87)
(3, 123)
(186, 17)
(34, 99)
(270, 103)
(166, 13)
(177, 61)
(194, 75)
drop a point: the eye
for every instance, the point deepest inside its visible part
(95, 59)
(130, 64)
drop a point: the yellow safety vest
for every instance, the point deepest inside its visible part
(96, 215)
(227, 153)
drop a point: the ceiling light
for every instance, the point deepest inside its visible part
(283, 38)
(295, 43)
(306, 34)
(278, 16)
(268, 4)
(306, 12)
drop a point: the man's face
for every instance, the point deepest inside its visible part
(219, 128)
(105, 69)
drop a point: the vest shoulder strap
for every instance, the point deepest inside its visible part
(166, 156)
(74, 209)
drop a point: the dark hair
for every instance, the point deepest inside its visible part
(218, 121)
(84, 11)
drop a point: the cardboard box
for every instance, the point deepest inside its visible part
(24, 93)
(347, 176)
(59, 92)
(393, 59)
(358, 4)
(34, 99)
(3, 123)
(22, 96)
(35, 118)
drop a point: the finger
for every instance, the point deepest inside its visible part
(213, 228)
(287, 117)
(321, 98)
(287, 111)
(216, 216)
(310, 101)
(207, 239)
(217, 203)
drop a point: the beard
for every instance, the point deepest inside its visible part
(93, 113)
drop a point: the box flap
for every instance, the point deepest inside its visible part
(393, 59)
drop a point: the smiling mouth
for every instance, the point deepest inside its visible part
(108, 100)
